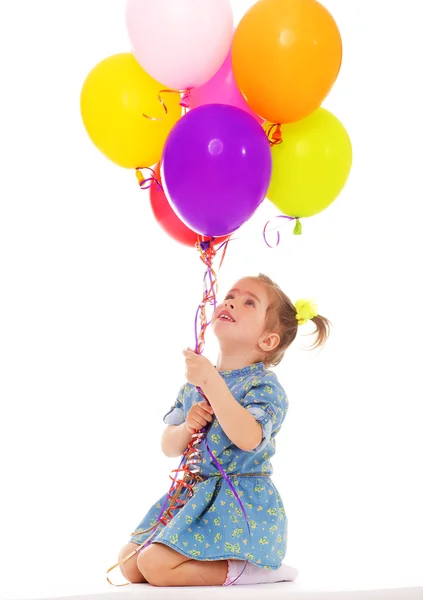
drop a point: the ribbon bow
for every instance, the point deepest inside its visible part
(306, 310)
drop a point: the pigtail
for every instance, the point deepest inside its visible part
(322, 331)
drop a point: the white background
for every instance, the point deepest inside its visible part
(97, 304)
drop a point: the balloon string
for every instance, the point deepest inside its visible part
(274, 134)
(210, 287)
(207, 255)
(184, 102)
(192, 454)
(188, 481)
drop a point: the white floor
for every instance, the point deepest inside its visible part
(287, 591)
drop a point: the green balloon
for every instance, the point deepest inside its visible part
(311, 165)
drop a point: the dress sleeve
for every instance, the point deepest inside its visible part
(268, 404)
(176, 415)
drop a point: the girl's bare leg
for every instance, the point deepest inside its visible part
(162, 566)
(198, 572)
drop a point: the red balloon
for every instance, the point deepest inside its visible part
(167, 218)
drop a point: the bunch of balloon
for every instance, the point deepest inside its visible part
(286, 57)
(199, 103)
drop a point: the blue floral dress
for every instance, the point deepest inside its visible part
(211, 525)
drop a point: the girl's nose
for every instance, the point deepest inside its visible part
(230, 304)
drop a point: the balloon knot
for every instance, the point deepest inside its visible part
(185, 99)
(274, 134)
(298, 229)
(140, 176)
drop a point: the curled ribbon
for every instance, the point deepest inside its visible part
(146, 183)
(207, 254)
(184, 102)
(297, 229)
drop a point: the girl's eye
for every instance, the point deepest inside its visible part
(228, 296)
(251, 302)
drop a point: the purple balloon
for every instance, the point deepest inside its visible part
(216, 168)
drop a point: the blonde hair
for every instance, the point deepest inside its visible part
(281, 319)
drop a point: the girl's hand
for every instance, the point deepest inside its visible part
(199, 370)
(198, 416)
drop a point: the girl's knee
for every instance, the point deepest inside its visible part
(129, 568)
(157, 561)
(152, 565)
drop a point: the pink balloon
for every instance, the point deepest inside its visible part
(222, 89)
(180, 43)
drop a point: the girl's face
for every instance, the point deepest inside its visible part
(239, 321)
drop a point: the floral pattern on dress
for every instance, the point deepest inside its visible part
(211, 525)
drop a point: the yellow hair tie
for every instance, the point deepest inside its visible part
(306, 310)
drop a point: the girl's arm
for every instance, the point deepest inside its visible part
(237, 422)
(175, 440)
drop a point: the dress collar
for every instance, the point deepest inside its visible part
(254, 369)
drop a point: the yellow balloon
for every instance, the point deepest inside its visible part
(114, 97)
(311, 165)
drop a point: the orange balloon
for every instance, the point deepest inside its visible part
(286, 56)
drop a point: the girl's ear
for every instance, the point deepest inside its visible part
(270, 342)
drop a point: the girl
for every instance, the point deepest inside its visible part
(207, 542)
